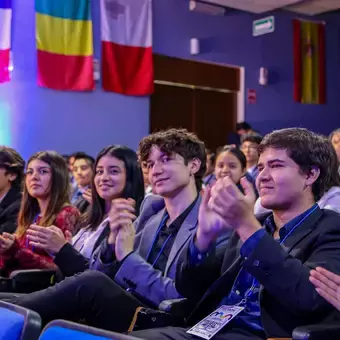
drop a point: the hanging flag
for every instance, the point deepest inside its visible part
(5, 39)
(126, 33)
(64, 44)
(309, 62)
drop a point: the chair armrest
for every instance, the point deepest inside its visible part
(169, 313)
(176, 307)
(5, 284)
(28, 281)
(317, 332)
(8, 297)
(146, 318)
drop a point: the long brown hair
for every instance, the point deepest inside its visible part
(59, 193)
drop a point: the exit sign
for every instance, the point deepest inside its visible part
(263, 26)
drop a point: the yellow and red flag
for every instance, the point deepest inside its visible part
(309, 62)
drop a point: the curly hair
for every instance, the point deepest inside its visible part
(178, 141)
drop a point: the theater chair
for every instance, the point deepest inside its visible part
(169, 313)
(317, 332)
(18, 323)
(61, 329)
(28, 281)
(175, 312)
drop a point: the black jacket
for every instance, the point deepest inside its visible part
(287, 298)
(71, 262)
(9, 209)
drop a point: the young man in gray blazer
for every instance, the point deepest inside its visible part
(141, 258)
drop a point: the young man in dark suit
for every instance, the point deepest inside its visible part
(266, 267)
(11, 176)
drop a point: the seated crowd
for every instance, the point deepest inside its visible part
(248, 235)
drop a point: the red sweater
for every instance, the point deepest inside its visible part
(22, 256)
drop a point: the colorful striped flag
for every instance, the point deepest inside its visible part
(5, 39)
(309, 62)
(126, 31)
(64, 44)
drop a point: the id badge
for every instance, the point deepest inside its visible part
(213, 323)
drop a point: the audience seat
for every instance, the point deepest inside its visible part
(28, 281)
(317, 332)
(18, 323)
(174, 313)
(169, 313)
(61, 329)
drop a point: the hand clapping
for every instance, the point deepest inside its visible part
(50, 239)
(327, 285)
(6, 242)
(224, 207)
(230, 203)
(122, 232)
(87, 195)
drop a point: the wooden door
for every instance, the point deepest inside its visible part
(171, 106)
(215, 114)
(198, 96)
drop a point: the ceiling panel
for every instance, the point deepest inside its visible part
(314, 7)
(256, 6)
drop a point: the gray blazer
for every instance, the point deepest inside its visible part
(134, 272)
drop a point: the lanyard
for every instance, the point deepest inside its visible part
(255, 283)
(161, 225)
(161, 251)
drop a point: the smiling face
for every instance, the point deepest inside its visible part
(168, 174)
(38, 179)
(110, 178)
(280, 182)
(227, 164)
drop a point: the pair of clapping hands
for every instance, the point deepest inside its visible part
(6, 242)
(52, 239)
(122, 230)
(224, 208)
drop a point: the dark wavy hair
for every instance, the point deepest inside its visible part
(178, 141)
(134, 187)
